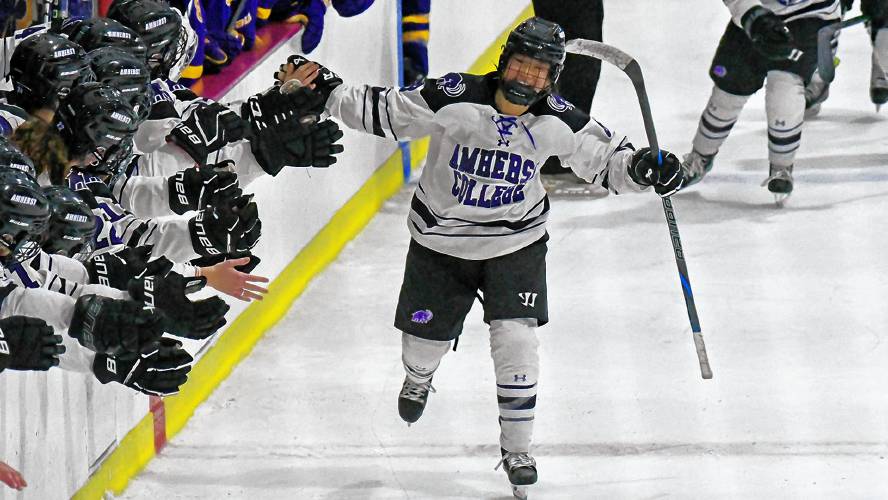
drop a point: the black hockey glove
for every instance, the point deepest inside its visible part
(160, 372)
(196, 187)
(226, 228)
(666, 178)
(28, 344)
(769, 34)
(324, 83)
(113, 327)
(876, 10)
(207, 130)
(197, 319)
(117, 269)
(215, 259)
(322, 145)
(279, 127)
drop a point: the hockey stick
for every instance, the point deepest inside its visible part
(629, 66)
(825, 65)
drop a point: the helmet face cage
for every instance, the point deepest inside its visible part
(71, 226)
(126, 73)
(541, 40)
(186, 47)
(97, 124)
(160, 27)
(25, 212)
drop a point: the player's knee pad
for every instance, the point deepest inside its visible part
(785, 107)
(421, 357)
(718, 119)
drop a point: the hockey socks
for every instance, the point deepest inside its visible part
(717, 120)
(785, 107)
(513, 347)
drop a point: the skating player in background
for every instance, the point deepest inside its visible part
(768, 40)
(478, 216)
(817, 91)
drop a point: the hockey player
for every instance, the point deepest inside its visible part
(478, 215)
(817, 91)
(771, 40)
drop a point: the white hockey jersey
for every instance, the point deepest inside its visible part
(788, 10)
(480, 195)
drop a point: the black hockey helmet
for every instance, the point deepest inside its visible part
(125, 72)
(44, 67)
(98, 32)
(24, 212)
(11, 157)
(541, 40)
(169, 38)
(71, 226)
(97, 124)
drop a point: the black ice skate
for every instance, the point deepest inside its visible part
(695, 166)
(779, 183)
(412, 400)
(521, 469)
(878, 83)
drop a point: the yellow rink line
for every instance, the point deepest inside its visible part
(235, 343)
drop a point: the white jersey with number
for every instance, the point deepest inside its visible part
(788, 10)
(480, 195)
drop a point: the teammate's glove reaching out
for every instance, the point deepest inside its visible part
(208, 129)
(196, 319)
(117, 269)
(112, 326)
(769, 34)
(195, 188)
(28, 344)
(646, 171)
(159, 372)
(226, 228)
(309, 74)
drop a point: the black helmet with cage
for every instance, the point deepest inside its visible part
(538, 39)
(97, 124)
(125, 72)
(71, 227)
(24, 212)
(98, 32)
(43, 68)
(170, 41)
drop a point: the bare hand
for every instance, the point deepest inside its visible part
(228, 280)
(306, 73)
(11, 477)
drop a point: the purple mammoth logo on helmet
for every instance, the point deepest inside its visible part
(422, 317)
(452, 84)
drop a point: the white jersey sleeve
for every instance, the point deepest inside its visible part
(397, 114)
(144, 196)
(118, 227)
(602, 158)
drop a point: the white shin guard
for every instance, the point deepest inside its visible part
(717, 120)
(421, 357)
(513, 347)
(785, 107)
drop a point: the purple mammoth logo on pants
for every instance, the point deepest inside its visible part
(422, 317)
